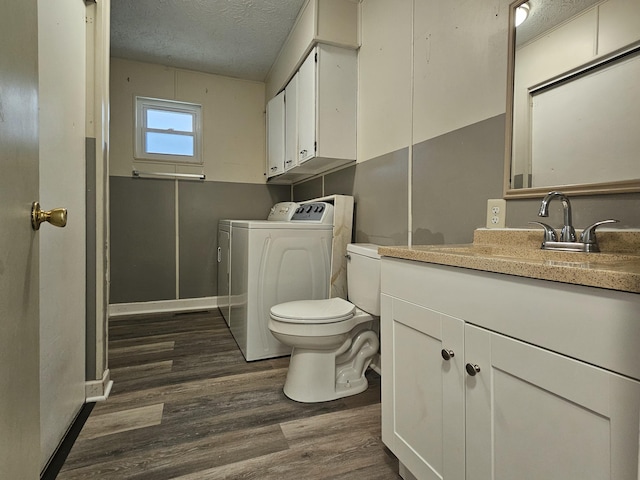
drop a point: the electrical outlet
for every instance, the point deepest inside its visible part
(496, 213)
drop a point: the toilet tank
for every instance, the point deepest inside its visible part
(363, 276)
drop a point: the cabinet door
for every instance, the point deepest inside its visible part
(307, 108)
(291, 124)
(533, 414)
(422, 393)
(275, 135)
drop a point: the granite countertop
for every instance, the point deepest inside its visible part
(517, 252)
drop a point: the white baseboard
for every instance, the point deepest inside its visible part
(162, 306)
(98, 390)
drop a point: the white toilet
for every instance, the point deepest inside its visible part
(333, 341)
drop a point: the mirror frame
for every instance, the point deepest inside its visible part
(624, 186)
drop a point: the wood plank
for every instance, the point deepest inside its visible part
(171, 460)
(135, 372)
(352, 455)
(122, 421)
(141, 348)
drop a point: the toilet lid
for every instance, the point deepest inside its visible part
(314, 311)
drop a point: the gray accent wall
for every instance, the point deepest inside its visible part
(143, 233)
(308, 189)
(453, 177)
(586, 210)
(143, 241)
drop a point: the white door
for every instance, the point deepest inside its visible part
(19, 244)
(62, 102)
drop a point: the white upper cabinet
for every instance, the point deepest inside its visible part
(291, 124)
(320, 119)
(327, 108)
(275, 135)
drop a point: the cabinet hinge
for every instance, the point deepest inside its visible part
(315, 146)
(316, 57)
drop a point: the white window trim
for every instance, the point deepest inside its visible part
(141, 104)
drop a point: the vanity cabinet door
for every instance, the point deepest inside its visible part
(533, 414)
(422, 393)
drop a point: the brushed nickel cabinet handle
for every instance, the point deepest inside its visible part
(447, 354)
(472, 369)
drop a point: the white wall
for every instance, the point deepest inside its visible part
(460, 64)
(233, 119)
(427, 68)
(384, 78)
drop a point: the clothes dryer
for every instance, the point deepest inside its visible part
(272, 263)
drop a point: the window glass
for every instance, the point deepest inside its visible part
(166, 143)
(165, 120)
(168, 131)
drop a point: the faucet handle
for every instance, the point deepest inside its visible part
(588, 235)
(549, 232)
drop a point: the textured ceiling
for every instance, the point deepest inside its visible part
(236, 38)
(546, 14)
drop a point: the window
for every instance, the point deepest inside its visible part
(168, 131)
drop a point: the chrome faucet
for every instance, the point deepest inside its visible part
(587, 243)
(568, 233)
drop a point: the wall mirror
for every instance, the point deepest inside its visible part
(573, 107)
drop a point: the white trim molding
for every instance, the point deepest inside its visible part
(98, 390)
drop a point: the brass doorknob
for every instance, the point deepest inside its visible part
(56, 217)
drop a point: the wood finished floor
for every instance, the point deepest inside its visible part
(185, 405)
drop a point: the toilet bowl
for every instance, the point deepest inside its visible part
(333, 341)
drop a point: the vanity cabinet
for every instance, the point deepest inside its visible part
(276, 135)
(490, 376)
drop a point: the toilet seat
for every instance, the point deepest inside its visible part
(331, 310)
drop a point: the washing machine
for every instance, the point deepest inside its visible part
(280, 212)
(276, 262)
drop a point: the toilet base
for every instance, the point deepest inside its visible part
(320, 376)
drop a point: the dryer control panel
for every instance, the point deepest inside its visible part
(317, 212)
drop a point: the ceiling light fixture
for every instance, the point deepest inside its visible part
(522, 12)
